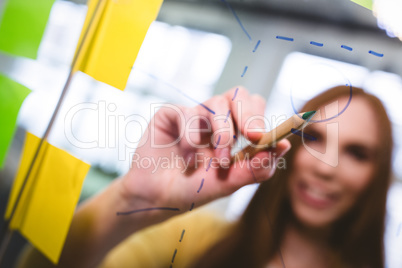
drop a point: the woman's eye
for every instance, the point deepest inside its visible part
(359, 153)
(312, 137)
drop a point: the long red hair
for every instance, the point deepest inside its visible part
(356, 239)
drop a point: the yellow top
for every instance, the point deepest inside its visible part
(155, 246)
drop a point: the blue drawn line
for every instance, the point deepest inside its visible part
(192, 206)
(256, 46)
(203, 105)
(202, 184)
(209, 165)
(376, 53)
(179, 91)
(234, 137)
(237, 18)
(316, 44)
(182, 234)
(284, 38)
(174, 255)
(347, 48)
(303, 135)
(245, 70)
(146, 209)
(218, 141)
(399, 229)
(235, 94)
(327, 119)
(227, 116)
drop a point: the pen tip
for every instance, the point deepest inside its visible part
(308, 115)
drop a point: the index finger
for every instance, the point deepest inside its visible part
(247, 112)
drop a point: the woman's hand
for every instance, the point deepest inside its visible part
(183, 157)
(170, 169)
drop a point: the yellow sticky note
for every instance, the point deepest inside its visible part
(364, 3)
(114, 38)
(47, 204)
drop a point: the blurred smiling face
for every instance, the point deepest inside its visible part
(321, 193)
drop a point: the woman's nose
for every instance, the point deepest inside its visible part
(322, 169)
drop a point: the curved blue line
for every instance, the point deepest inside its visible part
(237, 18)
(328, 119)
(178, 90)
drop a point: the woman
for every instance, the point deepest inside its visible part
(340, 223)
(314, 213)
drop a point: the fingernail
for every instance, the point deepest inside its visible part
(285, 151)
(257, 130)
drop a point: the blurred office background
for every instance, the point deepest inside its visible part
(197, 49)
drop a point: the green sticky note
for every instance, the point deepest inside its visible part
(364, 3)
(12, 95)
(22, 26)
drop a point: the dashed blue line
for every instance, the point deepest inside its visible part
(244, 72)
(237, 18)
(316, 44)
(234, 137)
(347, 47)
(192, 206)
(202, 184)
(376, 53)
(217, 143)
(235, 94)
(174, 255)
(284, 38)
(209, 165)
(182, 234)
(227, 116)
(256, 46)
(321, 45)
